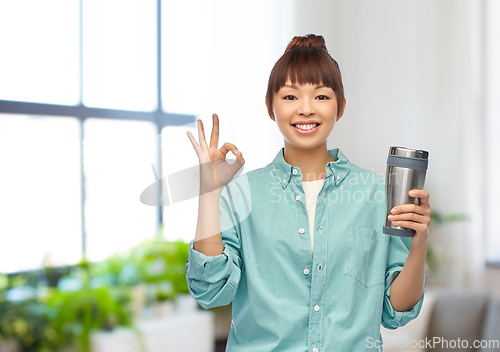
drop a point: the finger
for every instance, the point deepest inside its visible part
(214, 139)
(422, 219)
(423, 197)
(195, 144)
(411, 208)
(227, 147)
(201, 134)
(240, 157)
(412, 225)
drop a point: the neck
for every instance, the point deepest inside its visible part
(311, 162)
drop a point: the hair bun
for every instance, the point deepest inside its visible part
(310, 41)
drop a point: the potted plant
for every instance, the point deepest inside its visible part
(161, 266)
(76, 313)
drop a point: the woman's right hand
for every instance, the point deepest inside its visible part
(215, 171)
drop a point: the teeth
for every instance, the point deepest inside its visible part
(306, 127)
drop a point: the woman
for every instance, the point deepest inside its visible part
(298, 246)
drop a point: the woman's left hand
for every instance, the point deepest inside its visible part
(416, 217)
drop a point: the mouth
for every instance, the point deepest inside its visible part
(309, 129)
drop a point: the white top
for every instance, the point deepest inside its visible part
(311, 189)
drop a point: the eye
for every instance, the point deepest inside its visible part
(289, 97)
(323, 97)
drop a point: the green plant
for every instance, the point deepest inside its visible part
(75, 314)
(28, 323)
(432, 260)
(95, 304)
(89, 296)
(117, 270)
(159, 261)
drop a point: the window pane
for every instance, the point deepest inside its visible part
(39, 60)
(180, 218)
(40, 193)
(117, 164)
(119, 54)
(186, 58)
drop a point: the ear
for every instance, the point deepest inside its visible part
(341, 110)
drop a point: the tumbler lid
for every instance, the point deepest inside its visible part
(408, 158)
(408, 152)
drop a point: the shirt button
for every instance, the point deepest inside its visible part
(297, 198)
(316, 307)
(294, 171)
(284, 181)
(306, 271)
(338, 177)
(301, 231)
(315, 349)
(321, 228)
(319, 266)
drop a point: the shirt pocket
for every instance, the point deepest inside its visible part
(366, 255)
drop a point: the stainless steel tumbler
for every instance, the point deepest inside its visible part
(406, 169)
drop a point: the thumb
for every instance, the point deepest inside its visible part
(237, 166)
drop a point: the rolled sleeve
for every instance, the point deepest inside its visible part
(398, 252)
(391, 318)
(208, 268)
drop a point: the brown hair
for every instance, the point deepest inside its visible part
(306, 60)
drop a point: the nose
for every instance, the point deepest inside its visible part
(306, 108)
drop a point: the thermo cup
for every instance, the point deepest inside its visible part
(406, 169)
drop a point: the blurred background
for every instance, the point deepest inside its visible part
(95, 101)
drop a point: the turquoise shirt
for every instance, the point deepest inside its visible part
(284, 298)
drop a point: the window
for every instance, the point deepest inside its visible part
(80, 125)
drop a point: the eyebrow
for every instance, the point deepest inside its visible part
(295, 87)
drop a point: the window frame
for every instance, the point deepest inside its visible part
(160, 118)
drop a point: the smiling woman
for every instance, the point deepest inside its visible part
(305, 97)
(284, 253)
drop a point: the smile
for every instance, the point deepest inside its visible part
(305, 129)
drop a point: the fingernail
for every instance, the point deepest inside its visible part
(393, 210)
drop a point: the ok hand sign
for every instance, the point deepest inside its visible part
(215, 171)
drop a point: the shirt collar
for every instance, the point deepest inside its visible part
(284, 171)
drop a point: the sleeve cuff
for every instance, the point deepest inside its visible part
(208, 268)
(393, 319)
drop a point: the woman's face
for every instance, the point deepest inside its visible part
(306, 105)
